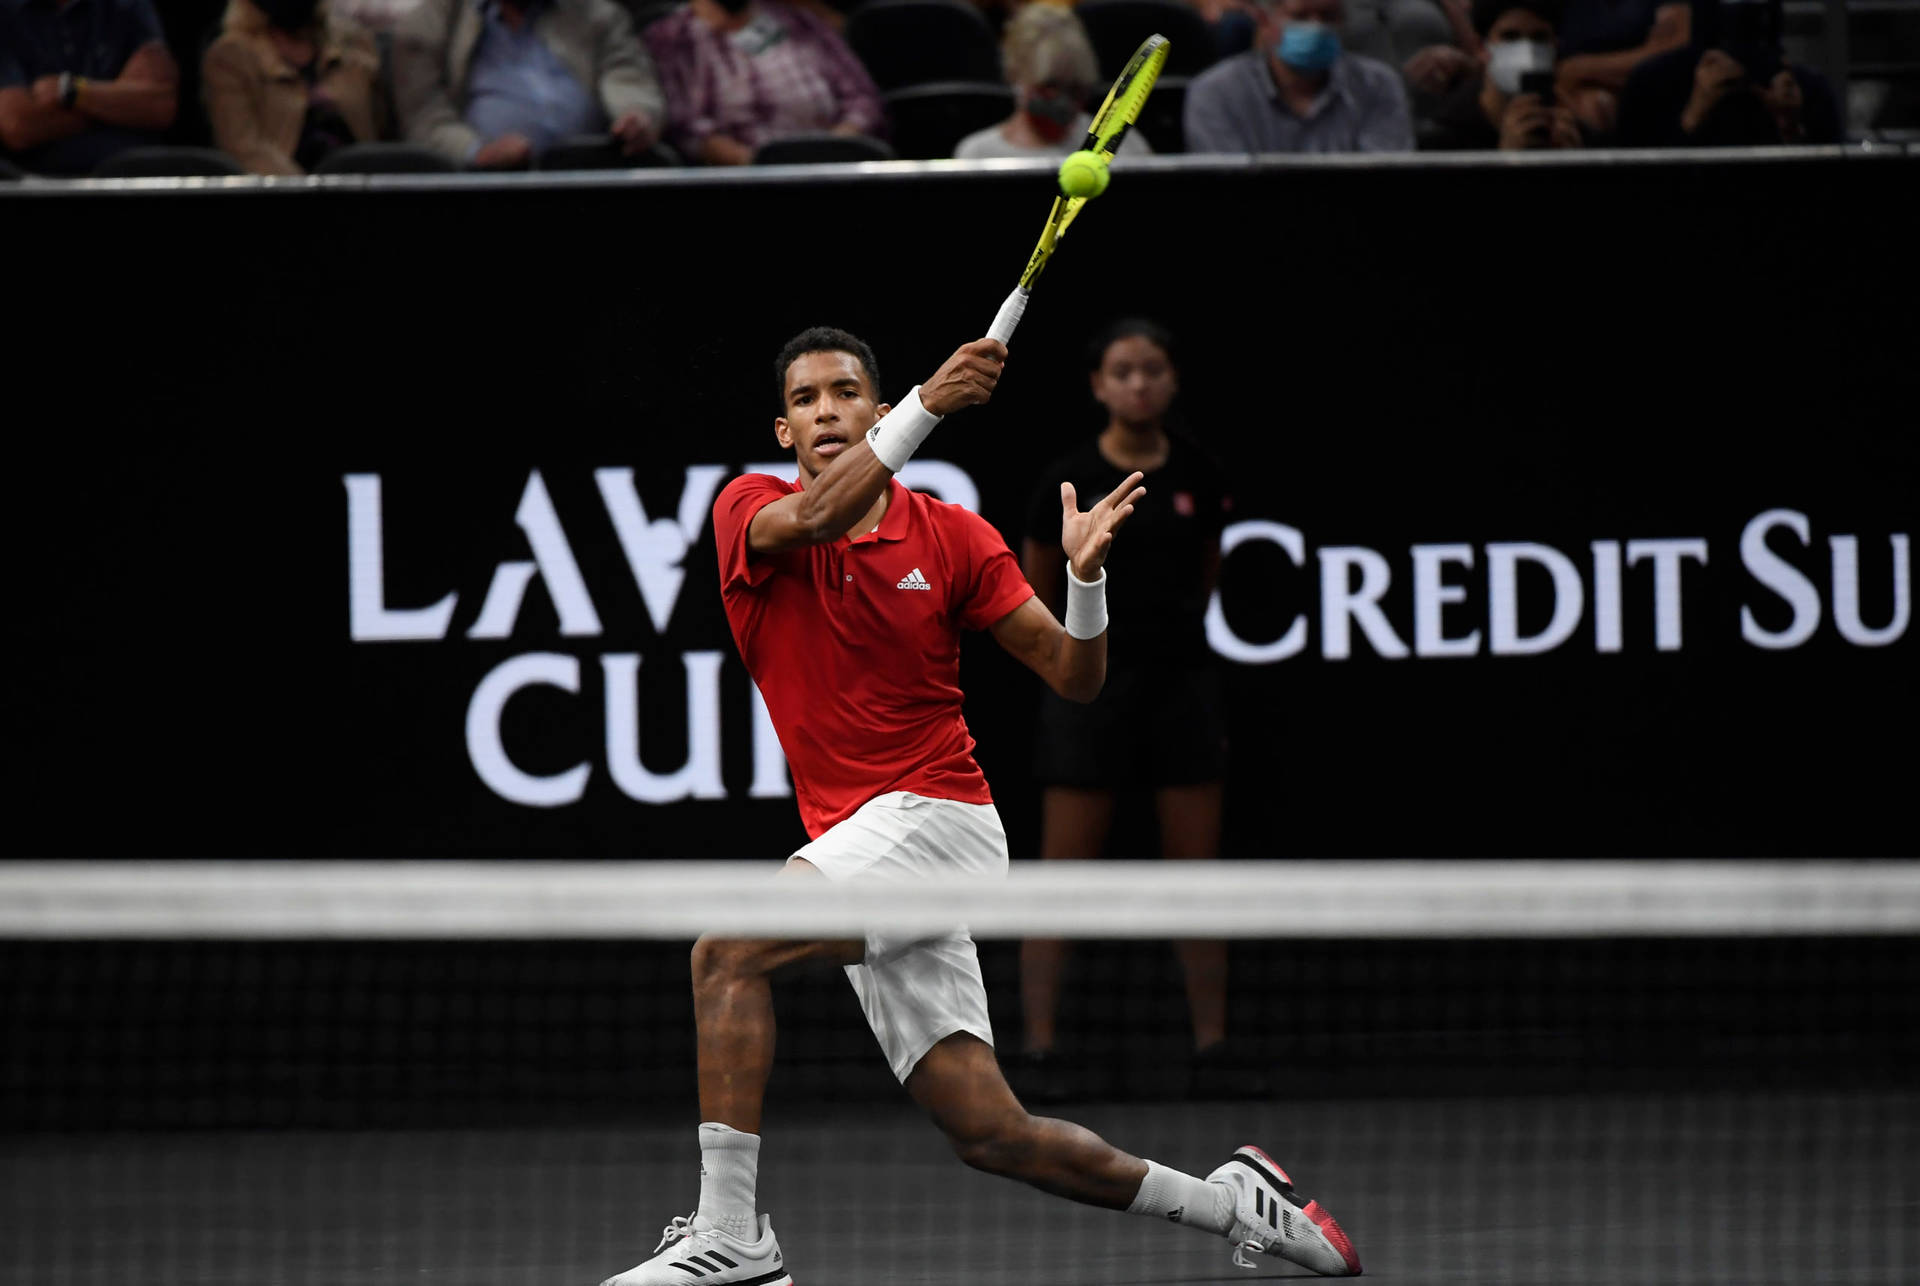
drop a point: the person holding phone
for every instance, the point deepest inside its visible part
(1511, 105)
(1733, 87)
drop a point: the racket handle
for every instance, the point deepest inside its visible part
(1009, 315)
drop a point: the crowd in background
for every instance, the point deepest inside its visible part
(279, 86)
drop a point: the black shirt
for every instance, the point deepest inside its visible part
(1656, 96)
(90, 38)
(1156, 591)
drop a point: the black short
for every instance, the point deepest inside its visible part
(1150, 726)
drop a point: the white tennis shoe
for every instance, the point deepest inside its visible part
(1269, 1217)
(693, 1250)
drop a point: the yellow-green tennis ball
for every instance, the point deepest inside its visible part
(1084, 174)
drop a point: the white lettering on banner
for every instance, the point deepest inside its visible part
(1503, 606)
(770, 779)
(553, 559)
(699, 777)
(1780, 576)
(1355, 584)
(489, 754)
(1341, 603)
(1846, 593)
(1431, 594)
(369, 619)
(1606, 595)
(1666, 556)
(656, 549)
(1220, 635)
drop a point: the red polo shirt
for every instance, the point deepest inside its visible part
(856, 644)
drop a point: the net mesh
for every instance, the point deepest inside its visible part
(1734, 1104)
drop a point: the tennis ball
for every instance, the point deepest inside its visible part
(1084, 174)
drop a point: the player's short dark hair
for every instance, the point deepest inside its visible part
(1129, 328)
(1487, 12)
(824, 339)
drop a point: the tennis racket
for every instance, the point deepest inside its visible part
(1110, 125)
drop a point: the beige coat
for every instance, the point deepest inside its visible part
(257, 100)
(433, 53)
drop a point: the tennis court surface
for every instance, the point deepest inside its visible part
(1494, 1083)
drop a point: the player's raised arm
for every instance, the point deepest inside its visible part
(848, 444)
(1072, 657)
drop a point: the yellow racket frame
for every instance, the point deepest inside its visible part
(1110, 125)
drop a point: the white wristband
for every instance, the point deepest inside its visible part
(1086, 605)
(901, 431)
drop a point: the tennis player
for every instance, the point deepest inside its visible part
(847, 594)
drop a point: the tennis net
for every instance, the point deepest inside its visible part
(1491, 1072)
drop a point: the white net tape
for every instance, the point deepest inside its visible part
(681, 900)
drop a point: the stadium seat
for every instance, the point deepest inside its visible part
(168, 162)
(1116, 28)
(930, 120)
(821, 149)
(600, 152)
(1161, 120)
(8, 172)
(917, 42)
(385, 158)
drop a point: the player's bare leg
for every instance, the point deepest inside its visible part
(1249, 1200)
(733, 1013)
(726, 1236)
(1074, 823)
(960, 1085)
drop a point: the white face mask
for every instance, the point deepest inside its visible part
(1510, 59)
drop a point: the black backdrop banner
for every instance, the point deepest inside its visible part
(1573, 503)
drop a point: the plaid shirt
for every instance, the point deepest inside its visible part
(785, 73)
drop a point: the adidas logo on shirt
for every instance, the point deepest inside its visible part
(914, 580)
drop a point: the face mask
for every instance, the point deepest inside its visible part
(1511, 59)
(1308, 46)
(1052, 113)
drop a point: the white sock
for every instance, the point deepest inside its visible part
(729, 1168)
(1169, 1194)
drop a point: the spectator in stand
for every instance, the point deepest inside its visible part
(1159, 726)
(1732, 87)
(494, 83)
(740, 73)
(81, 80)
(1051, 65)
(374, 15)
(1389, 30)
(1601, 42)
(1297, 90)
(288, 82)
(1511, 104)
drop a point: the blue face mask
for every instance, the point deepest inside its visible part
(1308, 46)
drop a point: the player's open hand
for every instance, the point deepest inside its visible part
(1088, 536)
(966, 379)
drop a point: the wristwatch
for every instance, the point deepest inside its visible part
(69, 89)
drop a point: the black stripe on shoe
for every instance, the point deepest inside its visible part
(689, 1268)
(721, 1259)
(1285, 1189)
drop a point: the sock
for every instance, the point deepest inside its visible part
(729, 1167)
(1169, 1194)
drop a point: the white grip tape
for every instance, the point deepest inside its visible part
(1086, 605)
(901, 431)
(1009, 316)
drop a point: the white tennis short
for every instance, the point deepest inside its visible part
(916, 991)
